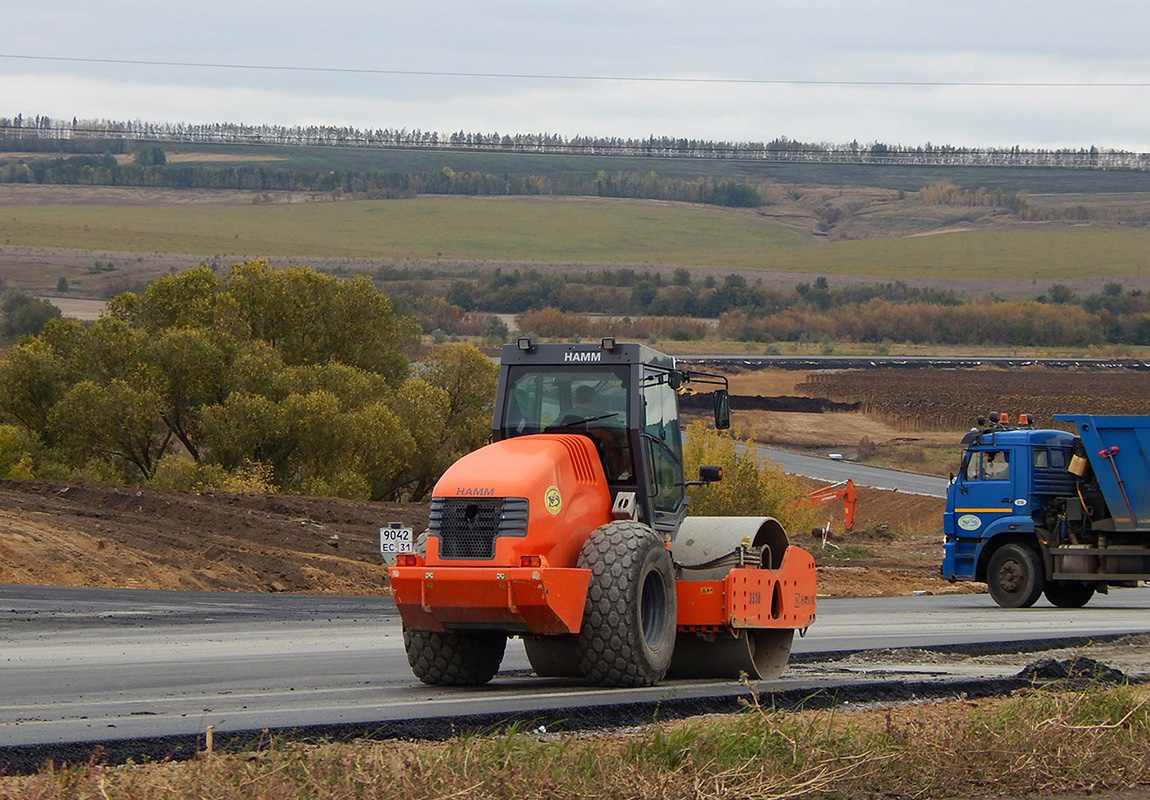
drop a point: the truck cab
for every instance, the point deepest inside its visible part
(1008, 479)
(1039, 511)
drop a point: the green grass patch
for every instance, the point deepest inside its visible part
(591, 231)
(1040, 254)
(908, 178)
(586, 231)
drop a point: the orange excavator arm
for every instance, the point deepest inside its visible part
(844, 490)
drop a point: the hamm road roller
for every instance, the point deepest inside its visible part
(571, 530)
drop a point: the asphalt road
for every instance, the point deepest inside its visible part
(83, 665)
(831, 471)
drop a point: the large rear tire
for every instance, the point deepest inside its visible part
(1068, 594)
(628, 633)
(1015, 576)
(454, 659)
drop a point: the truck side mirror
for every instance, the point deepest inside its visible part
(710, 474)
(722, 410)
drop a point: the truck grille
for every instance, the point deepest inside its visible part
(467, 527)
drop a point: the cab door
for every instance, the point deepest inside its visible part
(985, 491)
(663, 450)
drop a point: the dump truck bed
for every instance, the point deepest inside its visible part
(1118, 449)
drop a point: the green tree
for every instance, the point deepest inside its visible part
(283, 375)
(310, 317)
(468, 378)
(33, 378)
(192, 367)
(115, 422)
(24, 315)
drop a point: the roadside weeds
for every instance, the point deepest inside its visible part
(1036, 741)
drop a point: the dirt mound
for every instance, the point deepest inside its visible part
(71, 534)
(1077, 670)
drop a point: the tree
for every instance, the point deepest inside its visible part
(33, 378)
(24, 315)
(750, 487)
(287, 373)
(115, 422)
(1061, 294)
(494, 329)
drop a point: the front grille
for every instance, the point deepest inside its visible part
(468, 527)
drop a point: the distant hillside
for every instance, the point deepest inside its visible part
(579, 160)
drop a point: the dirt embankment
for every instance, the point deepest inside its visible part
(90, 535)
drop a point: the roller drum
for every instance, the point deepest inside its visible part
(759, 653)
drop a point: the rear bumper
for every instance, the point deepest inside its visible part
(540, 600)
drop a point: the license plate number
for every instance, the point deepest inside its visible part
(394, 540)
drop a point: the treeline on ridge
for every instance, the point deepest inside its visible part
(150, 170)
(780, 149)
(635, 304)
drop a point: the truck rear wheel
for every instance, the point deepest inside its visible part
(445, 658)
(629, 621)
(1015, 576)
(1069, 594)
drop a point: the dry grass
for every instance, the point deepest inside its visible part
(1033, 743)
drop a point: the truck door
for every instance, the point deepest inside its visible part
(985, 491)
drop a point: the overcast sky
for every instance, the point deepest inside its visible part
(739, 70)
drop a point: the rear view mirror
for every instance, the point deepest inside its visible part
(710, 474)
(722, 410)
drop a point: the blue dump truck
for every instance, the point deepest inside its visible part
(1037, 511)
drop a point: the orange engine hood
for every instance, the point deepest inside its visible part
(559, 475)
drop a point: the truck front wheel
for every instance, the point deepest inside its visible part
(1015, 576)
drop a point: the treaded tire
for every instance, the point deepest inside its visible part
(629, 621)
(1067, 594)
(454, 659)
(1015, 576)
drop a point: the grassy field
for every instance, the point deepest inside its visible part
(1034, 744)
(587, 231)
(595, 231)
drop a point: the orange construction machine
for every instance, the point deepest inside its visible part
(844, 490)
(571, 530)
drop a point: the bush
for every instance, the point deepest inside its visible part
(179, 473)
(750, 486)
(15, 454)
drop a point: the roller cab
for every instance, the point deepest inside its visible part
(570, 530)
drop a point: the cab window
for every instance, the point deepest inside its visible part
(590, 402)
(664, 441)
(988, 465)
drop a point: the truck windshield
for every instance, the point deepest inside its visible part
(589, 401)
